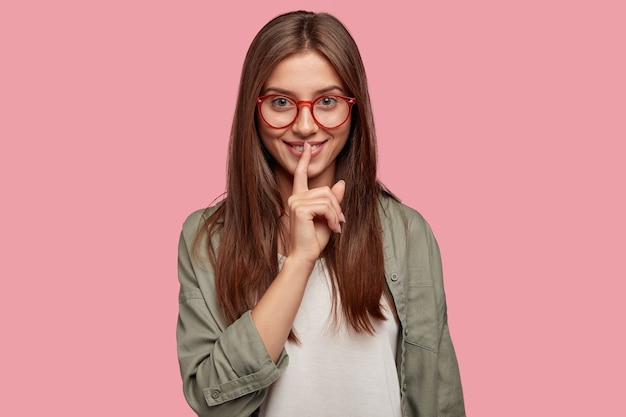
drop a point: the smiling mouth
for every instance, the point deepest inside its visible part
(300, 148)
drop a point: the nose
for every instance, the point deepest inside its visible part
(305, 125)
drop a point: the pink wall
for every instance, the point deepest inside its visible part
(503, 124)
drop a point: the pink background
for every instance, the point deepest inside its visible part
(502, 122)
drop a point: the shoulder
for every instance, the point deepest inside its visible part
(396, 215)
(410, 248)
(407, 236)
(196, 219)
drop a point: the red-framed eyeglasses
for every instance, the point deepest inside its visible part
(329, 110)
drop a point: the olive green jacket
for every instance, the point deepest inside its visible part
(226, 370)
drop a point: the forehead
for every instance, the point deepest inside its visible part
(303, 74)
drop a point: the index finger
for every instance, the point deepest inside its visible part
(300, 175)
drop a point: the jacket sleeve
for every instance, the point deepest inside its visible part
(226, 371)
(450, 393)
(449, 389)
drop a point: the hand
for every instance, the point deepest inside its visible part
(313, 214)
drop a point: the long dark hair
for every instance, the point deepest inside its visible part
(248, 219)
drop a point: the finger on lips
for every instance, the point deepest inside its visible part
(300, 175)
(334, 214)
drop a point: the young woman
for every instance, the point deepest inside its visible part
(310, 290)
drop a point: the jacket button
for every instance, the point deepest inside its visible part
(215, 394)
(404, 387)
(394, 277)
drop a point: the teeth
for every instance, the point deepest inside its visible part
(300, 148)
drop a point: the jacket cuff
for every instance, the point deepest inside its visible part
(244, 354)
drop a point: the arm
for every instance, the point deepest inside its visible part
(225, 371)
(429, 366)
(449, 391)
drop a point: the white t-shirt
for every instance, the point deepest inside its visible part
(335, 371)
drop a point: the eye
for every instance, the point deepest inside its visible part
(281, 102)
(327, 101)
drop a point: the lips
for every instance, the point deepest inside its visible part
(298, 147)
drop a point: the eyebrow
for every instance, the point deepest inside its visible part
(278, 90)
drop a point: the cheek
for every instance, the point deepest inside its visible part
(266, 136)
(343, 134)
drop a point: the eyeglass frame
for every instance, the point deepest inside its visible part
(350, 100)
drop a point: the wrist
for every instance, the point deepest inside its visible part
(298, 265)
